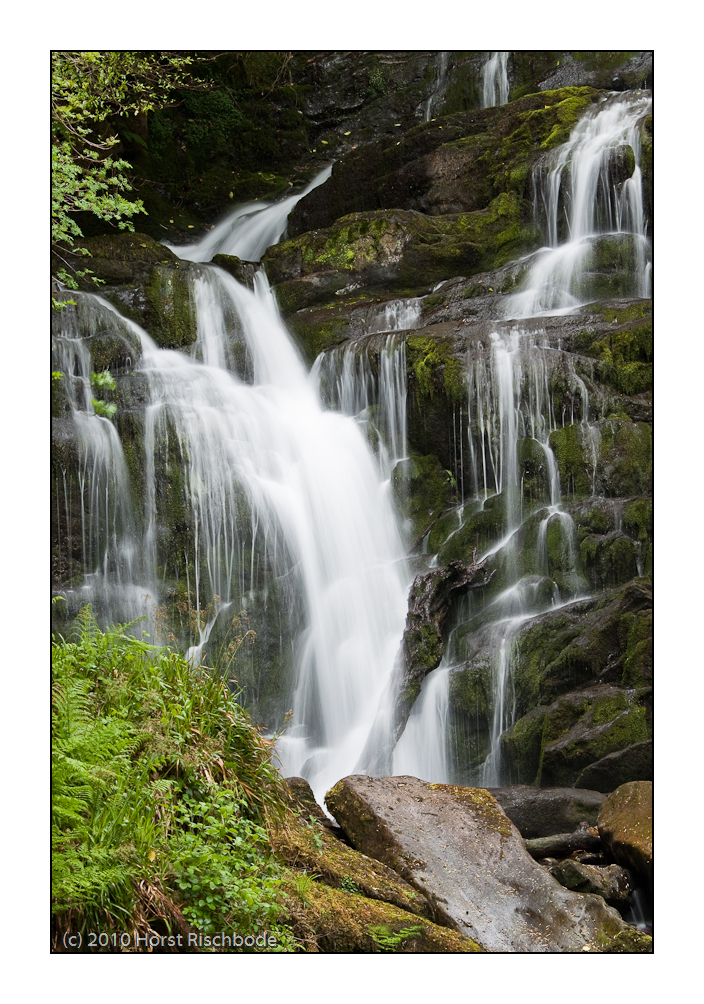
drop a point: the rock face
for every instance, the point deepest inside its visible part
(542, 812)
(458, 847)
(626, 827)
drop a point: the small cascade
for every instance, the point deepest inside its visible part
(495, 80)
(249, 230)
(375, 395)
(588, 200)
(440, 84)
(508, 399)
(503, 701)
(421, 750)
(112, 575)
(511, 411)
(394, 315)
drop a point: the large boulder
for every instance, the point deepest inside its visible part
(537, 812)
(459, 848)
(626, 827)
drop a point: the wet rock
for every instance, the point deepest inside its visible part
(422, 644)
(146, 282)
(626, 827)
(456, 163)
(539, 812)
(458, 847)
(243, 271)
(634, 763)
(611, 882)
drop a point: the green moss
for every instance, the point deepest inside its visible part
(572, 460)
(626, 355)
(314, 336)
(435, 367)
(482, 803)
(421, 489)
(638, 664)
(609, 560)
(521, 747)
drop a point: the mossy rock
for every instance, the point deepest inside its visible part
(456, 163)
(521, 747)
(580, 729)
(402, 249)
(421, 490)
(609, 560)
(625, 355)
(580, 644)
(336, 921)
(146, 282)
(612, 457)
(626, 827)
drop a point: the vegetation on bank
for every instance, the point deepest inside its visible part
(163, 797)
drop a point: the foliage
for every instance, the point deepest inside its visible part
(104, 381)
(389, 941)
(162, 792)
(89, 90)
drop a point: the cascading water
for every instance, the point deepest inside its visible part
(249, 230)
(281, 494)
(439, 89)
(588, 192)
(347, 383)
(495, 80)
(509, 402)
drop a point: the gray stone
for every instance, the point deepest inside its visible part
(611, 882)
(458, 847)
(540, 812)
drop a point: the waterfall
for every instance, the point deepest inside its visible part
(580, 195)
(113, 579)
(394, 315)
(421, 750)
(267, 460)
(508, 379)
(439, 89)
(495, 80)
(374, 395)
(249, 230)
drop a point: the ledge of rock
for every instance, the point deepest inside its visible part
(458, 847)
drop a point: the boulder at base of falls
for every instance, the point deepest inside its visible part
(540, 812)
(611, 882)
(626, 827)
(458, 847)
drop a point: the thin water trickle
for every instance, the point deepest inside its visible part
(495, 80)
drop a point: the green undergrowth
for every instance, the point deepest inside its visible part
(163, 798)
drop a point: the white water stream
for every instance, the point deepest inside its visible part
(495, 80)
(576, 184)
(249, 230)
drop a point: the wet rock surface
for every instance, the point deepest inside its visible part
(458, 847)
